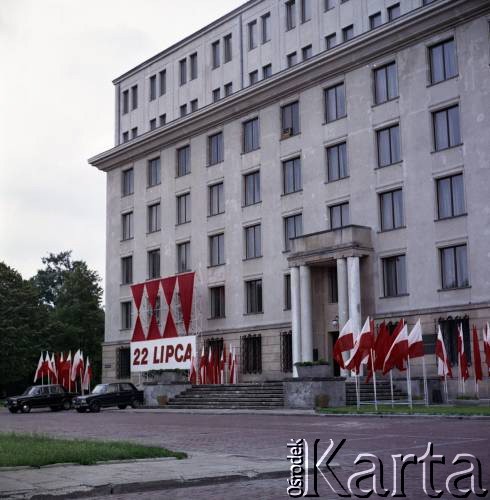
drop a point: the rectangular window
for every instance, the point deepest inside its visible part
(450, 196)
(154, 218)
(252, 35)
(394, 276)
(125, 136)
(447, 133)
(287, 292)
(389, 146)
(251, 184)
(291, 172)
(163, 119)
(253, 291)
(391, 209)
(126, 313)
(290, 15)
(134, 133)
(193, 65)
(216, 199)
(123, 365)
(450, 333)
(134, 96)
(290, 120)
(337, 162)
(251, 354)
(184, 257)
(194, 105)
(393, 12)
(127, 270)
(183, 110)
(217, 249)
(253, 77)
(305, 10)
(153, 172)
(251, 140)
(215, 148)
(267, 71)
(215, 55)
(333, 291)
(307, 52)
(266, 27)
(330, 41)
(286, 352)
(335, 103)
(228, 48)
(163, 81)
(153, 87)
(182, 71)
(443, 64)
(153, 124)
(375, 20)
(292, 59)
(385, 83)
(125, 95)
(454, 267)
(293, 227)
(216, 95)
(339, 215)
(127, 226)
(184, 208)
(217, 302)
(127, 186)
(348, 33)
(183, 161)
(228, 89)
(253, 242)
(154, 264)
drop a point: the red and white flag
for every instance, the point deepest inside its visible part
(362, 347)
(39, 369)
(87, 377)
(443, 366)
(415, 342)
(222, 365)
(344, 344)
(398, 352)
(463, 361)
(53, 376)
(75, 365)
(203, 361)
(192, 371)
(476, 356)
(486, 345)
(210, 368)
(233, 367)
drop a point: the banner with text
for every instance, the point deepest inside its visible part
(163, 354)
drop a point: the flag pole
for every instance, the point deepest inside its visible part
(374, 381)
(409, 383)
(426, 392)
(358, 392)
(391, 386)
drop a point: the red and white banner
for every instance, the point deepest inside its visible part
(163, 354)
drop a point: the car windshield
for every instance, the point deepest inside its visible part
(100, 389)
(31, 391)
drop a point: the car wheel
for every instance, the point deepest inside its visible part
(66, 405)
(135, 403)
(13, 410)
(81, 410)
(122, 407)
(25, 408)
(94, 407)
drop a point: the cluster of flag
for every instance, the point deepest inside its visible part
(60, 369)
(213, 368)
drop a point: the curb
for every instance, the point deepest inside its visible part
(405, 415)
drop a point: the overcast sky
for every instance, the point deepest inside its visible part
(58, 59)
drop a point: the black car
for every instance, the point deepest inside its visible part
(106, 395)
(41, 396)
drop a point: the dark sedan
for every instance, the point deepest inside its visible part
(41, 396)
(106, 395)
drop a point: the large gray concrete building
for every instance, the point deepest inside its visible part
(310, 160)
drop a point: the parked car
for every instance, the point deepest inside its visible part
(41, 396)
(107, 395)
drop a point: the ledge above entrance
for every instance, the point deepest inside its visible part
(316, 248)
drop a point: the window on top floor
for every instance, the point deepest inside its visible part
(125, 107)
(134, 133)
(328, 4)
(266, 27)
(183, 110)
(182, 71)
(228, 48)
(292, 59)
(305, 10)
(290, 120)
(330, 41)
(266, 71)
(153, 124)
(252, 35)
(228, 89)
(163, 81)
(216, 94)
(153, 87)
(443, 64)
(215, 148)
(335, 102)
(134, 96)
(215, 54)
(375, 20)
(307, 52)
(162, 119)
(385, 83)
(339, 215)
(194, 105)
(290, 14)
(293, 227)
(193, 65)
(394, 12)
(125, 136)
(348, 33)
(253, 77)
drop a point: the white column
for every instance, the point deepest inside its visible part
(295, 318)
(354, 279)
(306, 318)
(343, 298)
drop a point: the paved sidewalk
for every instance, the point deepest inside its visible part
(72, 481)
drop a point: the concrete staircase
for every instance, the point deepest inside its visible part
(383, 392)
(259, 396)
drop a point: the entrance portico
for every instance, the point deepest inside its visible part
(343, 249)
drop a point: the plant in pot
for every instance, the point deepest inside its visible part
(313, 369)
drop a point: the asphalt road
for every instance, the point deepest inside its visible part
(267, 436)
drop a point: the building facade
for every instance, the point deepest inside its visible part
(311, 161)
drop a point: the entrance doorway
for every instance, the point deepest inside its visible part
(333, 336)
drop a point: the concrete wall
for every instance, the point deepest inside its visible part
(308, 393)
